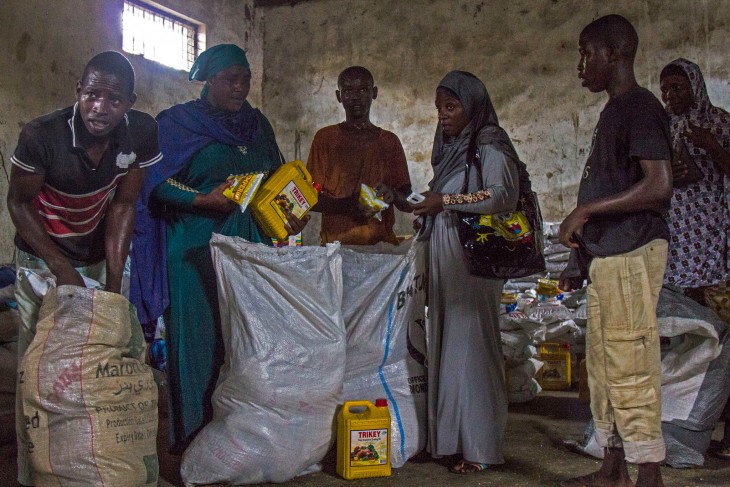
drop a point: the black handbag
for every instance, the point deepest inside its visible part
(503, 245)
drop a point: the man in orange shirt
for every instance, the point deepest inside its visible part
(354, 152)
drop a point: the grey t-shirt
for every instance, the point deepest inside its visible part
(632, 127)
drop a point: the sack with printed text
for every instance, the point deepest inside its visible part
(383, 303)
(90, 402)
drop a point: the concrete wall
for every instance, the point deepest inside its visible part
(45, 45)
(524, 50)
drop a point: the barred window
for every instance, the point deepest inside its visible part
(160, 35)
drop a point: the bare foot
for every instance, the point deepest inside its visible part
(613, 472)
(649, 475)
(598, 479)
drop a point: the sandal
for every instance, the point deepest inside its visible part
(723, 453)
(464, 467)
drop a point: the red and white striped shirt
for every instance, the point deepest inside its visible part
(76, 194)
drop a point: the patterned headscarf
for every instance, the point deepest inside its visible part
(702, 113)
(699, 218)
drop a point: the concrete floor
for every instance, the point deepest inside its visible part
(534, 455)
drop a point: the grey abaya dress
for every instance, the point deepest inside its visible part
(467, 397)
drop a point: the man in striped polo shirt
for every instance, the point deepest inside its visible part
(74, 182)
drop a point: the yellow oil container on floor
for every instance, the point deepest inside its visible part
(289, 187)
(555, 373)
(363, 440)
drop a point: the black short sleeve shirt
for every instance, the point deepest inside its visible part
(632, 127)
(75, 194)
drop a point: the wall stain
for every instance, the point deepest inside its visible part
(319, 88)
(54, 67)
(575, 119)
(21, 48)
(478, 9)
(420, 156)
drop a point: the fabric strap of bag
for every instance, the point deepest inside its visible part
(473, 154)
(484, 261)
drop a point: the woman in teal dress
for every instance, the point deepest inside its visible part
(203, 142)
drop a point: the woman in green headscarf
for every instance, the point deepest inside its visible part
(203, 142)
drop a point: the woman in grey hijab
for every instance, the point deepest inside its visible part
(467, 408)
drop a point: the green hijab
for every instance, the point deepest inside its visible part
(216, 59)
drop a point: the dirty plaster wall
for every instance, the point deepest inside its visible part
(524, 50)
(45, 45)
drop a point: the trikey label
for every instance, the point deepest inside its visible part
(368, 447)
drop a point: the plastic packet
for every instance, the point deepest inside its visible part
(369, 199)
(290, 241)
(243, 187)
(547, 288)
(509, 301)
(508, 297)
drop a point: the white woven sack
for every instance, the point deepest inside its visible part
(278, 391)
(384, 310)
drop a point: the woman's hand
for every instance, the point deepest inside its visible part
(432, 205)
(679, 171)
(700, 137)
(215, 201)
(704, 139)
(293, 224)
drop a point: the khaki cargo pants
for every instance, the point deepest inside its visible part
(622, 351)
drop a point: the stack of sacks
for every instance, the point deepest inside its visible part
(556, 259)
(522, 284)
(576, 302)
(519, 343)
(695, 366)
(531, 323)
(9, 323)
(556, 254)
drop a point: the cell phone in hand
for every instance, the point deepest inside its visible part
(415, 198)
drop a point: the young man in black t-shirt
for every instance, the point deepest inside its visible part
(74, 183)
(619, 241)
